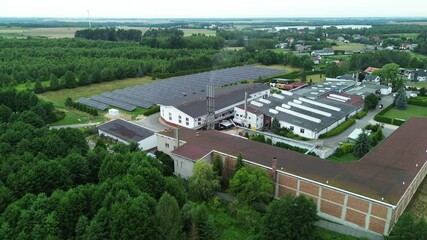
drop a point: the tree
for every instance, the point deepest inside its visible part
(70, 80)
(69, 102)
(203, 182)
(239, 163)
(389, 73)
(362, 145)
(290, 218)
(217, 165)
(423, 92)
(168, 218)
(409, 228)
(303, 76)
(5, 113)
(371, 101)
(54, 82)
(251, 185)
(38, 88)
(275, 125)
(401, 101)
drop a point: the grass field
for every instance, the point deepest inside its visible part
(317, 78)
(406, 35)
(348, 46)
(287, 69)
(411, 111)
(348, 157)
(30, 85)
(417, 84)
(74, 116)
(64, 32)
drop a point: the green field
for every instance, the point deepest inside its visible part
(348, 157)
(348, 46)
(418, 204)
(411, 111)
(287, 69)
(77, 117)
(417, 84)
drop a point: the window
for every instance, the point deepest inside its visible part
(186, 119)
(166, 145)
(181, 163)
(170, 116)
(187, 123)
(301, 130)
(291, 128)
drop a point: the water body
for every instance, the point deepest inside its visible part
(324, 27)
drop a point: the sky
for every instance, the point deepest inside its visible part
(213, 8)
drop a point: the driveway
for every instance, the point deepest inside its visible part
(152, 122)
(368, 119)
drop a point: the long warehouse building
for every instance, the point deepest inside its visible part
(369, 195)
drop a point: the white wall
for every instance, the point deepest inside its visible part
(148, 143)
(172, 114)
(297, 130)
(256, 121)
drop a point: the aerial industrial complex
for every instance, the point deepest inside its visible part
(370, 194)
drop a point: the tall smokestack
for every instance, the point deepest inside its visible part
(246, 105)
(274, 168)
(177, 137)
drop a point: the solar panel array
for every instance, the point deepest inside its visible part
(175, 88)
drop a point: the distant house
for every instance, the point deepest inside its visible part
(418, 75)
(281, 45)
(323, 52)
(125, 132)
(341, 39)
(372, 78)
(299, 47)
(370, 70)
(290, 39)
(384, 90)
(316, 59)
(376, 38)
(389, 47)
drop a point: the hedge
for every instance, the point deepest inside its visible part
(418, 101)
(341, 128)
(152, 110)
(361, 114)
(398, 121)
(380, 118)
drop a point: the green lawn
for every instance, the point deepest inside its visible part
(74, 116)
(348, 157)
(417, 84)
(287, 69)
(348, 46)
(411, 111)
(30, 85)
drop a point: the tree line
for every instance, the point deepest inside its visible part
(110, 34)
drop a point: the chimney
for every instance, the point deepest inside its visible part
(246, 105)
(177, 137)
(274, 168)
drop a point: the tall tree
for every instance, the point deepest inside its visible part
(54, 82)
(389, 73)
(251, 185)
(168, 218)
(217, 165)
(363, 142)
(70, 80)
(371, 101)
(401, 101)
(275, 125)
(290, 218)
(38, 87)
(239, 163)
(203, 182)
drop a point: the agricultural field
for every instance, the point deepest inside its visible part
(411, 111)
(287, 69)
(64, 32)
(74, 116)
(417, 84)
(348, 46)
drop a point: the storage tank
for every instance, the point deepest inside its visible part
(113, 112)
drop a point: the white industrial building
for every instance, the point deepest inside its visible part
(125, 132)
(192, 113)
(302, 116)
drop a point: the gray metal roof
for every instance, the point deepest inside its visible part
(304, 123)
(196, 105)
(125, 130)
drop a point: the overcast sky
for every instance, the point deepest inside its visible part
(213, 8)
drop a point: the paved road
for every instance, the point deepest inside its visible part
(75, 125)
(152, 122)
(368, 119)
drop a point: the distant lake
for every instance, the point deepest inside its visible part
(324, 26)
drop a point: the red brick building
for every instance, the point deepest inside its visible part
(370, 194)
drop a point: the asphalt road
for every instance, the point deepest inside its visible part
(368, 119)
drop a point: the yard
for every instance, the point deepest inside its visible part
(76, 117)
(411, 111)
(287, 69)
(418, 204)
(417, 84)
(348, 46)
(348, 157)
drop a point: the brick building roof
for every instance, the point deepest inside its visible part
(378, 175)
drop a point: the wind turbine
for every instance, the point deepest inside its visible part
(88, 16)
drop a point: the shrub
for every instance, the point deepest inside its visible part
(347, 147)
(361, 114)
(152, 110)
(398, 121)
(380, 118)
(341, 128)
(339, 152)
(418, 101)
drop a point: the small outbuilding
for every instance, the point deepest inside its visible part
(125, 132)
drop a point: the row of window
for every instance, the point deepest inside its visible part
(301, 130)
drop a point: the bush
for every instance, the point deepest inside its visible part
(339, 152)
(361, 114)
(398, 121)
(341, 128)
(380, 118)
(418, 101)
(152, 110)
